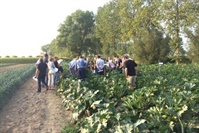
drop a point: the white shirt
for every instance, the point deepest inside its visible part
(73, 63)
(51, 65)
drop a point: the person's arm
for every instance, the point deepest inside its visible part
(37, 73)
(136, 68)
(125, 70)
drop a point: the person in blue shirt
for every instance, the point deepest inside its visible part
(81, 64)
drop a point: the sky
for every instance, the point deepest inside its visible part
(26, 25)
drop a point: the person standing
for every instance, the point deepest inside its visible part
(130, 70)
(118, 63)
(56, 77)
(40, 74)
(81, 64)
(60, 70)
(73, 67)
(51, 73)
(100, 65)
(45, 60)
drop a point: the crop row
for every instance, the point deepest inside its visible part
(18, 60)
(10, 80)
(6, 64)
(165, 100)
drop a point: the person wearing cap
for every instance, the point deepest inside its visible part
(130, 68)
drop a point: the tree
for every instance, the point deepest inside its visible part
(176, 16)
(151, 47)
(45, 48)
(76, 33)
(107, 29)
(193, 52)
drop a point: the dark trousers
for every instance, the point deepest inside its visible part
(41, 79)
(82, 73)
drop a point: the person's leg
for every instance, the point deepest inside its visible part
(83, 74)
(130, 82)
(46, 79)
(39, 84)
(49, 80)
(44, 83)
(52, 80)
(133, 81)
(56, 78)
(80, 73)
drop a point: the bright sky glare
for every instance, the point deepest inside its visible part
(26, 25)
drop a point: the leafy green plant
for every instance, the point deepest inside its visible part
(164, 101)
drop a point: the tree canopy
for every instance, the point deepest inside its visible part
(150, 31)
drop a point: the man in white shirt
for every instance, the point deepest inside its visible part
(100, 65)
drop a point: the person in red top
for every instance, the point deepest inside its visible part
(130, 71)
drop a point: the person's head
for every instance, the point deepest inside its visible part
(41, 59)
(55, 58)
(46, 56)
(116, 56)
(80, 56)
(51, 59)
(126, 56)
(77, 57)
(98, 56)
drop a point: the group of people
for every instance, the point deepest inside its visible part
(79, 66)
(48, 70)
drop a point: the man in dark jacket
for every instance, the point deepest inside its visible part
(41, 73)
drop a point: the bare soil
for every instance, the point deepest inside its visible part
(31, 112)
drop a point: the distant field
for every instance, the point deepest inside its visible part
(18, 60)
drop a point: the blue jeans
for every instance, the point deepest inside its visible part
(41, 79)
(56, 78)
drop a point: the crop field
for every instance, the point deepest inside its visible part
(166, 99)
(11, 78)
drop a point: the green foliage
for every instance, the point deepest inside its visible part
(76, 35)
(18, 60)
(151, 47)
(193, 52)
(107, 28)
(176, 16)
(9, 80)
(166, 100)
(6, 64)
(70, 129)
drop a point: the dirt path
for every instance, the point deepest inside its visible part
(31, 112)
(6, 68)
